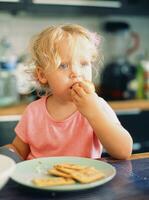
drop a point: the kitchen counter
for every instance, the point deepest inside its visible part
(13, 110)
(116, 105)
(130, 104)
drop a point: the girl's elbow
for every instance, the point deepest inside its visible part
(122, 156)
(125, 154)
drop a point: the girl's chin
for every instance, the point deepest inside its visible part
(67, 98)
(70, 98)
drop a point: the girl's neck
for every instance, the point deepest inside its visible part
(58, 109)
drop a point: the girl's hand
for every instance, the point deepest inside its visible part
(85, 98)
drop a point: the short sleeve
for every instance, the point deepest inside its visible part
(109, 111)
(22, 127)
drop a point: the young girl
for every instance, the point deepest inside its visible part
(70, 120)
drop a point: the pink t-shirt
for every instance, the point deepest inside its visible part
(46, 137)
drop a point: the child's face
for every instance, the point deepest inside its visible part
(75, 66)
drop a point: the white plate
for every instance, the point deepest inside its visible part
(7, 166)
(37, 168)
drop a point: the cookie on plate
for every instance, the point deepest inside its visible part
(52, 181)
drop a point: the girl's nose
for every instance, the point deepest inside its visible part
(75, 72)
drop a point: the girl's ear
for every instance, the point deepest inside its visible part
(41, 75)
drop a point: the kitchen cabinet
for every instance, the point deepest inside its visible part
(7, 133)
(136, 122)
(90, 7)
(12, 6)
(77, 7)
(134, 116)
(136, 7)
(74, 7)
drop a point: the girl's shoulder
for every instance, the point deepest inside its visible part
(108, 110)
(37, 105)
(104, 103)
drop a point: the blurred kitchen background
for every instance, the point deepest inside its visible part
(123, 76)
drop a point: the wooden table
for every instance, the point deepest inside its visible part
(131, 182)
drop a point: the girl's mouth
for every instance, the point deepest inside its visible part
(75, 81)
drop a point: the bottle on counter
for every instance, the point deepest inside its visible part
(25, 82)
(8, 83)
(145, 65)
(140, 81)
(142, 77)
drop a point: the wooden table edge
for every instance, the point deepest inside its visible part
(139, 156)
(132, 157)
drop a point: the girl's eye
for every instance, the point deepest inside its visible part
(85, 64)
(63, 66)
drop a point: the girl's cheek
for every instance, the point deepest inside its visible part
(88, 75)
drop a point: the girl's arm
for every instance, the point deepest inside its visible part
(21, 148)
(115, 139)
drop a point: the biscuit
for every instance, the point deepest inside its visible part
(66, 170)
(70, 166)
(52, 181)
(87, 176)
(83, 175)
(56, 172)
(90, 85)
